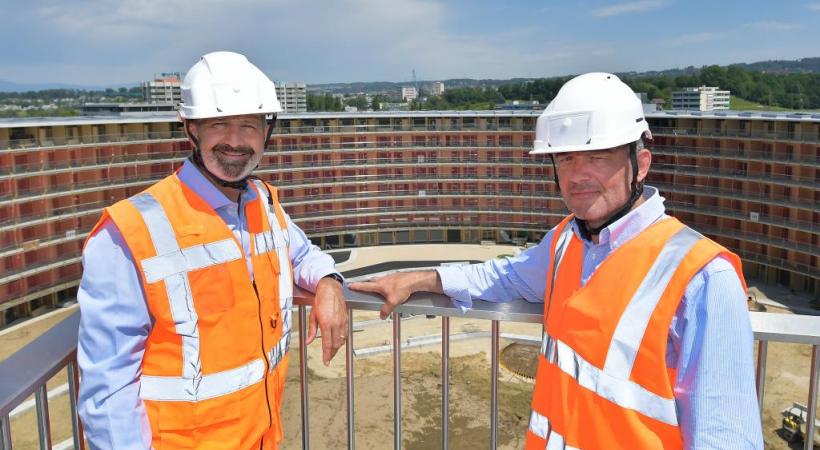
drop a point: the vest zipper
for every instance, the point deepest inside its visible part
(265, 358)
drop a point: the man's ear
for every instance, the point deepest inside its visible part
(191, 129)
(644, 161)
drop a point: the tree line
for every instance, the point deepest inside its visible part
(793, 90)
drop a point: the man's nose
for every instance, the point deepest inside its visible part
(233, 136)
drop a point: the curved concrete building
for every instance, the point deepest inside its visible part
(748, 180)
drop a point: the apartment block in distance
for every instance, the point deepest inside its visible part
(437, 88)
(292, 96)
(704, 98)
(163, 89)
(409, 93)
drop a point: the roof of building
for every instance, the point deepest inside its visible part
(159, 117)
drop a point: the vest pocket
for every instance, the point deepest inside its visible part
(185, 426)
(212, 290)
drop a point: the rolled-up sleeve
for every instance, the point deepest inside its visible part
(499, 280)
(114, 327)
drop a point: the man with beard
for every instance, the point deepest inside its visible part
(186, 293)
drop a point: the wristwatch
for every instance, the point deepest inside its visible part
(336, 277)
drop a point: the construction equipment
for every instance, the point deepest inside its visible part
(794, 424)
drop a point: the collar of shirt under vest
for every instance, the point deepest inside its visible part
(190, 175)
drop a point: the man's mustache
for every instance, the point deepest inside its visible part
(583, 187)
(227, 148)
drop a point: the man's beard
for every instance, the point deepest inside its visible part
(231, 168)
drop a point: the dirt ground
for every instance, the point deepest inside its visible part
(786, 382)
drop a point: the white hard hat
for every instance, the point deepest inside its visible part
(226, 84)
(594, 111)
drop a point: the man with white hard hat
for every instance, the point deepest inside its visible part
(647, 342)
(187, 287)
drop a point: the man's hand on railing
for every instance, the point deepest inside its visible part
(329, 314)
(397, 287)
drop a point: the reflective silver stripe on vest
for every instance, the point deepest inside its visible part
(202, 388)
(623, 349)
(212, 385)
(279, 350)
(177, 286)
(539, 425)
(281, 242)
(264, 242)
(556, 442)
(623, 392)
(189, 259)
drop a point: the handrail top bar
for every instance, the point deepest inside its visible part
(792, 328)
(37, 362)
(426, 303)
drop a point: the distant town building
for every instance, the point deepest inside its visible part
(409, 93)
(163, 89)
(292, 96)
(519, 105)
(126, 109)
(437, 89)
(704, 98)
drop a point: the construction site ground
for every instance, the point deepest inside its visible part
(469, 405)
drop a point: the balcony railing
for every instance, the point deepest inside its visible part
(737, 133)
(27, 371)
(65, 141)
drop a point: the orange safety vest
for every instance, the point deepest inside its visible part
(602, 380)
(216, 358)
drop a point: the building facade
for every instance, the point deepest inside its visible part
(437, 88)
(292, 96)
(704, 98)
(748, 180)
(409, 93)
(164, 89)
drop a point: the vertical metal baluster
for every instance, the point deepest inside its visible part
(445, 380)
(494, 387)
(812, 412)
(396, 381)
(43, 425)
(349, 374)
(5, 433)
(762, 348)
(303, 382)
(73, 387)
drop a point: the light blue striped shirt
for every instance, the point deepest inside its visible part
(710, 338)
(115, 320)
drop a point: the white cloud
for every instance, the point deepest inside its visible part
(813, 6)
(774, 26)
(694, 38)
(628, 8)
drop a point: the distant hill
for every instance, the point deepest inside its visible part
(10, 86)
(395, 87)
(781, 67)
(804, 65)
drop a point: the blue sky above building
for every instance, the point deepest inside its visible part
(110, 42)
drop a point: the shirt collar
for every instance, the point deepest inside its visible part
(635, 221)
(190, 175)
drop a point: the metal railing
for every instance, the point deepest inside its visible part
(26, 372)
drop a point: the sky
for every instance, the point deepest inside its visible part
(114, 42)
